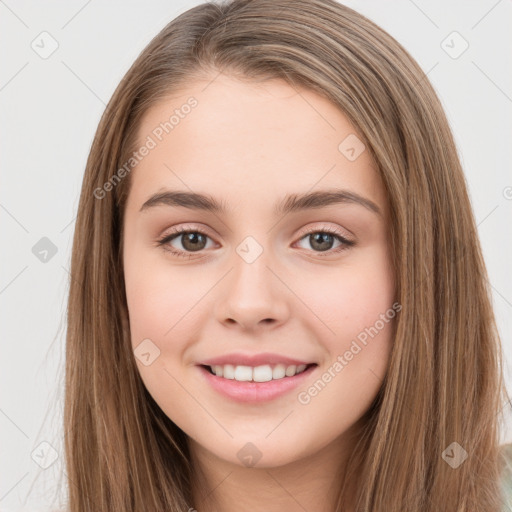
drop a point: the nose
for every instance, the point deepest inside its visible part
(252, 295)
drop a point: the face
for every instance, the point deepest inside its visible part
(264, 282)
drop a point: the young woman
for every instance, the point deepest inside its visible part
(278, 297)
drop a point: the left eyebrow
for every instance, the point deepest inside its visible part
(290, 203)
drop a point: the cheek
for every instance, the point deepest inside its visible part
(163, 305)
(354, 313)
(157, 296)
(160, 324)
(350, 298)
(358, 310)
(149, 302)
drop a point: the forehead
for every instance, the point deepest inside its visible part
(245, 141)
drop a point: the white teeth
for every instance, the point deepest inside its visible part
(290, 371)
(263, 373)
(228, 370)
(243, 373)
(279, 371)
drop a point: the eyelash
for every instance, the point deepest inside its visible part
(183, 254)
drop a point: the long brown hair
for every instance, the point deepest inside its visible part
(444, 384)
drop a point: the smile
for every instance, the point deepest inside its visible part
(246, 384)
(263, 373)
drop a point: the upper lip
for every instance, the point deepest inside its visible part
(253, 360)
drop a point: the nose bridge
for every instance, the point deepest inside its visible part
(252, 293)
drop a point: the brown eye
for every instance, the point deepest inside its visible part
(190, 240)
(323, 240)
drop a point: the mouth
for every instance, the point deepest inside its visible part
(246, 384)
(262, 373)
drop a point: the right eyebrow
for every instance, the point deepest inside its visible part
(191, 200)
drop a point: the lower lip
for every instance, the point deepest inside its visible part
(249, 391)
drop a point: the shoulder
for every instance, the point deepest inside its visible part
(506, 475)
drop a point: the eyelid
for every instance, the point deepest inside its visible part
(187, 227)
(323, 227)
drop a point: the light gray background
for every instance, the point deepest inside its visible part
(50, 109)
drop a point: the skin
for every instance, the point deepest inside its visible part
(249, 144)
